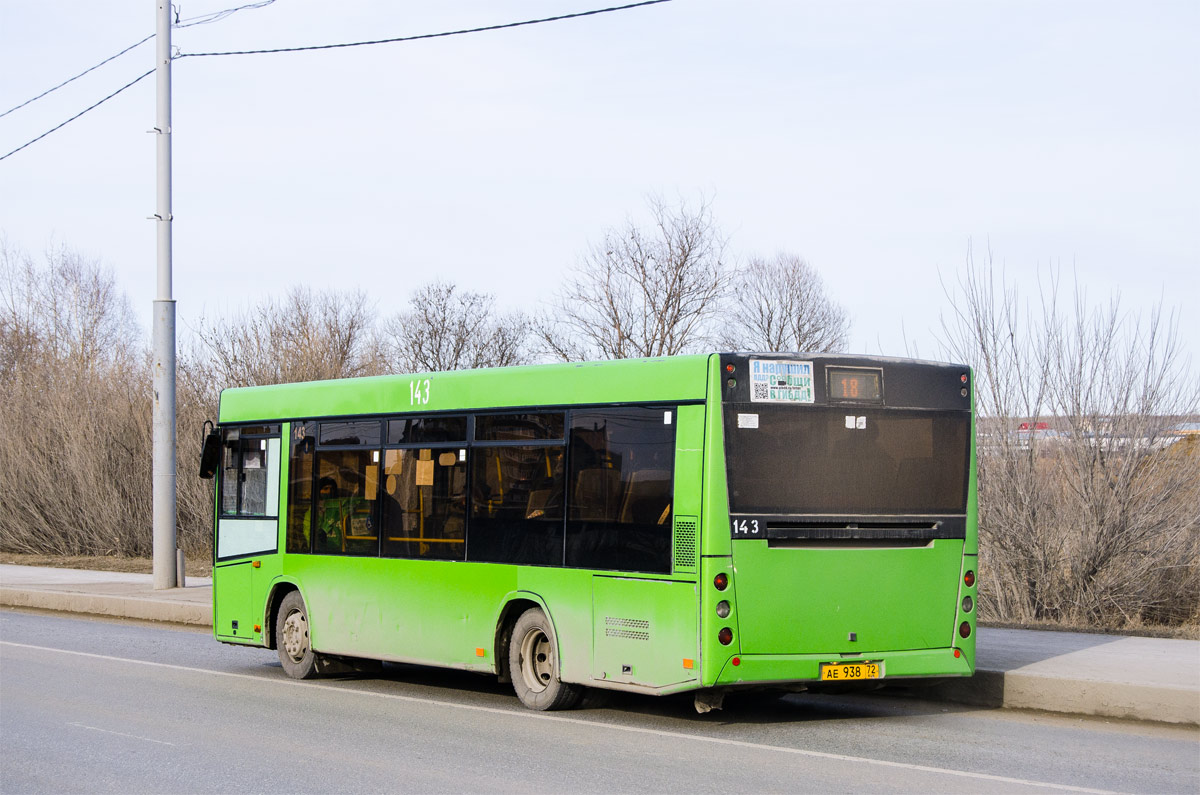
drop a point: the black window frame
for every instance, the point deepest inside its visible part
(666, 565)
(334, 447)
(470, 443)
(271, 431)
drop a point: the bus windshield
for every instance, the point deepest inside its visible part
(806, 460)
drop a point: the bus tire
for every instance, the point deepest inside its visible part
(533, 664)
(291, 631)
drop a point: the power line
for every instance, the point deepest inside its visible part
(217, 16)
(203, 19)
(80, 113)
(315, 47)
(425, 35)
(76, 77)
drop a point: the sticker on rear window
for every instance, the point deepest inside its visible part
(747, 420)
(781, 381)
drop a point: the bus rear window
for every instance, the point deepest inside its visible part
(847, 460)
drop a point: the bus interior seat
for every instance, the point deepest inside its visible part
(536, 507)
(596, 493)
(646, 495)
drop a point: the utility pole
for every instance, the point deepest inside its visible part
(163, 466)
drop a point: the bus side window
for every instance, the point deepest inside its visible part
(424, 503)
(517, 504)
(621, 488)
(345, 520)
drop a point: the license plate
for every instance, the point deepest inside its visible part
(850, 672)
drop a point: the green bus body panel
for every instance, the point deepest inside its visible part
(678, 378)
(643, 630)
(793, 601)
(689, 484)
(431, 611)
(716, 540)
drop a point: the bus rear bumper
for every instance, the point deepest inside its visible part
(787, 668)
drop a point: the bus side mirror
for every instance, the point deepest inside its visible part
(210, 456)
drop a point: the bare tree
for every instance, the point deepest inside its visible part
(642, 291)
(68, 310)
(446, 328)
(306, 337)
(1087, 497)
(781, 304)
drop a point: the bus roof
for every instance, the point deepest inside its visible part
(667, 379)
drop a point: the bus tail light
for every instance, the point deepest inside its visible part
(722, 609)
(721, 581)
(964, 629)
(968, 604)
(725, 636)
(736, 661)
(969, 579)
(957, 653)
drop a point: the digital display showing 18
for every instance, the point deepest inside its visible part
(847, 384)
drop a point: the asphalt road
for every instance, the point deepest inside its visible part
(92, 705)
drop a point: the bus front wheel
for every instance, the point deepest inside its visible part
(533, 663)
(291, 630)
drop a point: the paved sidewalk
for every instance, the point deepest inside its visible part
(1155, 679)
(1085, 674)
(106, 593)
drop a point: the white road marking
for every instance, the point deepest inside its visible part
(121, 734)
(531, 715)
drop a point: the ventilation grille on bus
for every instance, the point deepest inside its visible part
(632, 628)
(685, 543)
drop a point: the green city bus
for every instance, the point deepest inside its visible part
(692, 523)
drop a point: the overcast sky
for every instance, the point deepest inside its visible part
(875, 139)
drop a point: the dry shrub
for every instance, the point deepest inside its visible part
(1092, 522)
(75, 424)
(307, 336)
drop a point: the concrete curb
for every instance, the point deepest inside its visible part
(147, 609)
(1018, 690)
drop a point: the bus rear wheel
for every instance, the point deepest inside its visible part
(291, 629)
(533, 663)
